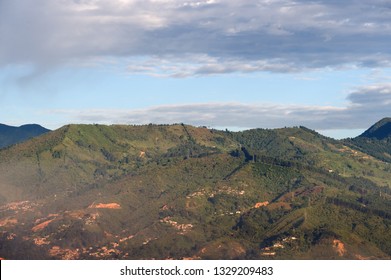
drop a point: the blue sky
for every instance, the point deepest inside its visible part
(225, 64)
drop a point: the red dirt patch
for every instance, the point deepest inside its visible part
(41, 225)
(261, 204)
(64, 254)
(41, 241)
(339, 247)
(105, 206)
(8, 222)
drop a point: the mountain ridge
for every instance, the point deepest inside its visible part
(10, 135)
(380, 130)
(375, 141)
(179, 191)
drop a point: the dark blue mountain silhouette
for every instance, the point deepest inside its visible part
(10, 135)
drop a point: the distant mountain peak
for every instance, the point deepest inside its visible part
(10, 135)
(22, 126)
(380, 130)
(30, 125)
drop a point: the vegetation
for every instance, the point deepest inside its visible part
(376, 141)
(177, 191)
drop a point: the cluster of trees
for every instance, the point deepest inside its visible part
(380, 149)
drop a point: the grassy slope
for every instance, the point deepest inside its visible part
(186, 192)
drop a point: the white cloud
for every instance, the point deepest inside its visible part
(367, 105)
(237, 35)
(201, 65)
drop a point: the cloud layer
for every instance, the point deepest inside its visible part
(201, 37)
(366, 106)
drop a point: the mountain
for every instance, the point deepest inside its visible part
(10, 135)
(184, 192)
(380, 130)
(376, 141)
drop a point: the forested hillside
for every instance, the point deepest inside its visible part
(375, 141)
(184, 192)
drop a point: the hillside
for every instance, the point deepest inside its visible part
(375, 141)
(380, 130)
(177, 191)
(10, 135)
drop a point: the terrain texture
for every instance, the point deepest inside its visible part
(184, 192)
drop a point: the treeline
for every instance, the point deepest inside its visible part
(358, 207)
(380, 149)
(190, 150)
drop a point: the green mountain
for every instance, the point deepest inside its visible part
(10, 135)
(376, 141)
(178, 191)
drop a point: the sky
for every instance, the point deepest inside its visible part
(229, 64)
